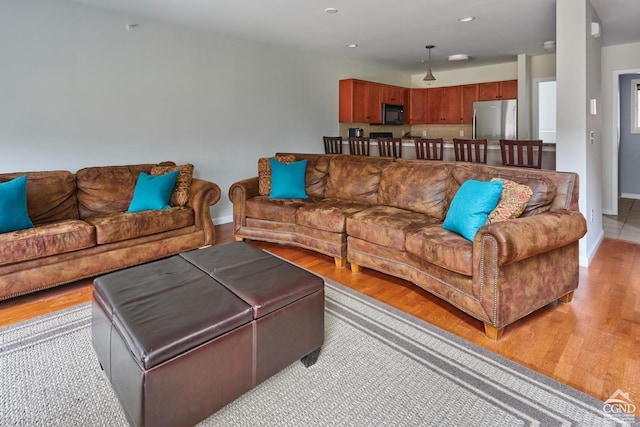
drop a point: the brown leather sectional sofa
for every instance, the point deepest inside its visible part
(387, 215)
(82, 228)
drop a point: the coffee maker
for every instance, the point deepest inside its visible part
(358, 132)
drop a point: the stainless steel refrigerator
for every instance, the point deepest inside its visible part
(495, 120)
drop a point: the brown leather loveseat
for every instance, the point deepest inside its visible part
(388, 214)
(82, 227)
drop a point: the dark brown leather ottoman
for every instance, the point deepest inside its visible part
(182, 337)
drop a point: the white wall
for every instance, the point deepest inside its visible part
(578, 80)
(79, 90)
(616, 60)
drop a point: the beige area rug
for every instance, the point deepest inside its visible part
(378, 367)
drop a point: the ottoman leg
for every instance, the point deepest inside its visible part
(311, 358)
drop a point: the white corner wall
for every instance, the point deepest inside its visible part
(79, 90)
(578, 81)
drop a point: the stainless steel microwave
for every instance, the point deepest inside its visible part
(392, 114)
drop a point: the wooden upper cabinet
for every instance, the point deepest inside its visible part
(373, 108)
(509, 89)
(360, 101)
(491, 91)
(444, 106)
(451, 105)
(393, 95)
(468, 94)
(434, 106)
(418, 100)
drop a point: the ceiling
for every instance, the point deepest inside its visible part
(390, 33)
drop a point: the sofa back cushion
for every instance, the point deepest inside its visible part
(416, 185)
(317, 171)
(51, 195)
(355, 178)
(107, 189)
(542, 183)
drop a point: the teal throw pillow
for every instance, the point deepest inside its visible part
(13, 205)
(288, 180)
(152, 192)
(471, 206)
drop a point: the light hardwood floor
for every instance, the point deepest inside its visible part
(591, 344)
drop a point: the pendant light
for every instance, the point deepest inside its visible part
(429, 77)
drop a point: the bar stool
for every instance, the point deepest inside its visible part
(390, 147)
(429, 148)
(332, 144)
(359, 146)
(470, 150)
(521, 153)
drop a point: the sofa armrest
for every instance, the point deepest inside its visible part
(202, 195)
(239, 193)
(529, 236)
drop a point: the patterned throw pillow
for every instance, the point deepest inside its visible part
(264, 172)
(180, 193)
(512, 202)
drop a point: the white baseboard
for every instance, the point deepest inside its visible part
(630, 196)
(223, 220)
(585, 260)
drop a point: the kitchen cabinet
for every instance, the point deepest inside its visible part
(360, 101)
(418, 100)
(373, 106)
(452, 105)
(444, 105)
(507, 89)
(468, 94)
(393, 95)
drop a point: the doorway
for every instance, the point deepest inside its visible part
(545, 110)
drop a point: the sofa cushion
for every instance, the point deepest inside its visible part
(543, 188)
(152, 192)
(107, 189)
(264, 171)
(417, 186)
(13, 205)
(329, 214)
(355, 178)
(386, 225)
(288, 180)
(442, 248)
(471, 206)
(51, 195)
(281, 210)
(46, 240)
(119, 226)
(180, 194)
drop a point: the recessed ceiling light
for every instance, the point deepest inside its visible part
(352, 45)
(466, 18)
(458, 57)
(331, 10)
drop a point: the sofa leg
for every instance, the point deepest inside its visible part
(492, 332)
(566, 297)
(238, 239)
(355, 268)
(340, 262)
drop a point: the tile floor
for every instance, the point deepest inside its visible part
(626, 225)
